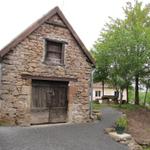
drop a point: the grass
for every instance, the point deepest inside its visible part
(128, 107)
(141, 96)
(96, 106)
(148, 148)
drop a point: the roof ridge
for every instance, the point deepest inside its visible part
(35, 25)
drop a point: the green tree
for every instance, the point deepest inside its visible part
(112, 57)
(126, 43)
(146, 82)
(102, 65)
(138, 25)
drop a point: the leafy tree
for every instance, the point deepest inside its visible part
(138, 25)
(111, 56)
(123, 49)
(102, 66)
(146, 82)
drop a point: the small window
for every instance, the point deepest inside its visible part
(97, 93)
(54, 52)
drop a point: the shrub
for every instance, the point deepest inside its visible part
(122, 122)
(121, 125)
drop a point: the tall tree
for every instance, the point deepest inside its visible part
(126, 44)
(112, 55)
(145, 80)
(102, 66)
(138, 24)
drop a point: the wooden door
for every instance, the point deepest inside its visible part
(49, 102)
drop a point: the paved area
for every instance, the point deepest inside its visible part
(88, 136)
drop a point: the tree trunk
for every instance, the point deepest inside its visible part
(137, 90)
(145, 95)
(103, 88)
(127, 93)
(121, 96)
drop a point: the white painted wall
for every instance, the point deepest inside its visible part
(107, 91)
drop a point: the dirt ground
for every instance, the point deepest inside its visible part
(139, 125)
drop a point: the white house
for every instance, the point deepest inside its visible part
(108, 90)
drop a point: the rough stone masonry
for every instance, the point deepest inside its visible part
(26, 58)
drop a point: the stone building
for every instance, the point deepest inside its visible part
(45, 74)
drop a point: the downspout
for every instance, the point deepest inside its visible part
(91, 92)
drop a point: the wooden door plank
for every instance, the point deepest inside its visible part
(57, 104)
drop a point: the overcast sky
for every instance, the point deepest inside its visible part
(86, 16)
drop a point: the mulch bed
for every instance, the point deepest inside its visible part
(139, 125)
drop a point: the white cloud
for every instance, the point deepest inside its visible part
(87, 17)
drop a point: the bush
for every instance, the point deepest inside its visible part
(122, 122)
(121, 125)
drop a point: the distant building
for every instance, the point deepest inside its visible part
(108, 90)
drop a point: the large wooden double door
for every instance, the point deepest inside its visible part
(49, 102)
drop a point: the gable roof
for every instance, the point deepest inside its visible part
(37, 24)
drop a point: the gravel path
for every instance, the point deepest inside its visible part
(88, 136)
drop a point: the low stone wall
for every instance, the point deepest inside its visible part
(124, 139)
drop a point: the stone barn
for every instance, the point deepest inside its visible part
(45, 74)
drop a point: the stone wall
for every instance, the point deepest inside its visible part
(0, 77)
(26, 58)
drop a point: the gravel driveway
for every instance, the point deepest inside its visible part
(88, 136)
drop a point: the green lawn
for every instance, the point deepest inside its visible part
(128, 107)
(96, 106)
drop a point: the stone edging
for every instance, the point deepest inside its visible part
(124, 139)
